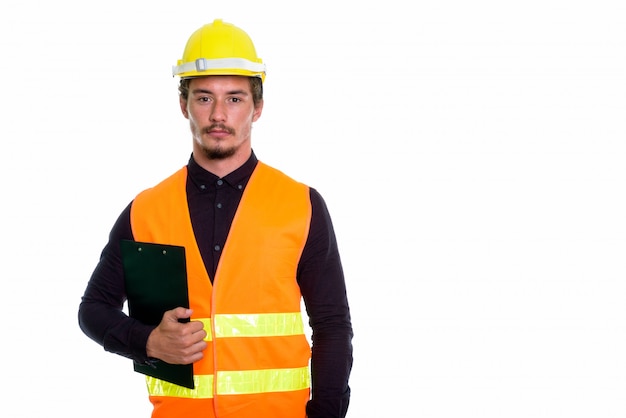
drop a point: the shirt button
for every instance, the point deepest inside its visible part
(219, 206)
(220, 182)
(239, 186)
(217, 248)
(202, 187)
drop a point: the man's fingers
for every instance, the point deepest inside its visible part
(177, 313)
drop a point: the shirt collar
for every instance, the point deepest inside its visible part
(239, 177)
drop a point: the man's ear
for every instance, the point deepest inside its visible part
(257, 111)
(183, 107)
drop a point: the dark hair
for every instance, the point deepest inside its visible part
(256, 86)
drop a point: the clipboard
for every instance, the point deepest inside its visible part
(156, 281)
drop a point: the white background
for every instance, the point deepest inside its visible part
(471, 154)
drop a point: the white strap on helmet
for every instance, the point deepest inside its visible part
(203, 64)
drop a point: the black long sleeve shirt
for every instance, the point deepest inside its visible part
(212, 205)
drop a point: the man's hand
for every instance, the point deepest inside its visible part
(175, 342)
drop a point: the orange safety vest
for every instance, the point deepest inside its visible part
(256, 364)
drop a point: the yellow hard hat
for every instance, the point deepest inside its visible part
(219, 48)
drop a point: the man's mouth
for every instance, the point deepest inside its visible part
(218, 130)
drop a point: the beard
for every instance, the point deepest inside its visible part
(218, 152)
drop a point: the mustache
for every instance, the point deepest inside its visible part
(218, 126)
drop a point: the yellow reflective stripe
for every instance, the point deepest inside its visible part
(258, 325)
(235, 383)
(207, 327)
(260, 381)
(254, 325)
(203, 388)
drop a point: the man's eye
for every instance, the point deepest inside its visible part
(203, 99)
(235, 99)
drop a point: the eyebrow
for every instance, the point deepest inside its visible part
(231, 92)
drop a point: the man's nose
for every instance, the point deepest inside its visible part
(218, 112)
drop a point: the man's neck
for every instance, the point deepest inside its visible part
(221, 167)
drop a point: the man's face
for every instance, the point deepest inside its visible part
(221, 111)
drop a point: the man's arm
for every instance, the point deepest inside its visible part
(100, 313)
(321, 280)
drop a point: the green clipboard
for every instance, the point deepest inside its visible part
(156, 281)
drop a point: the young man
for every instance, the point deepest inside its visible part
(256, 243)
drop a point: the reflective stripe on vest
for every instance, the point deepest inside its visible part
(258, 325)
(235, 383)
(254, 325)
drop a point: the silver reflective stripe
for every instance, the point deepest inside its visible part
(203, 64)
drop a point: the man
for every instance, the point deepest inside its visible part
(256, 243)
